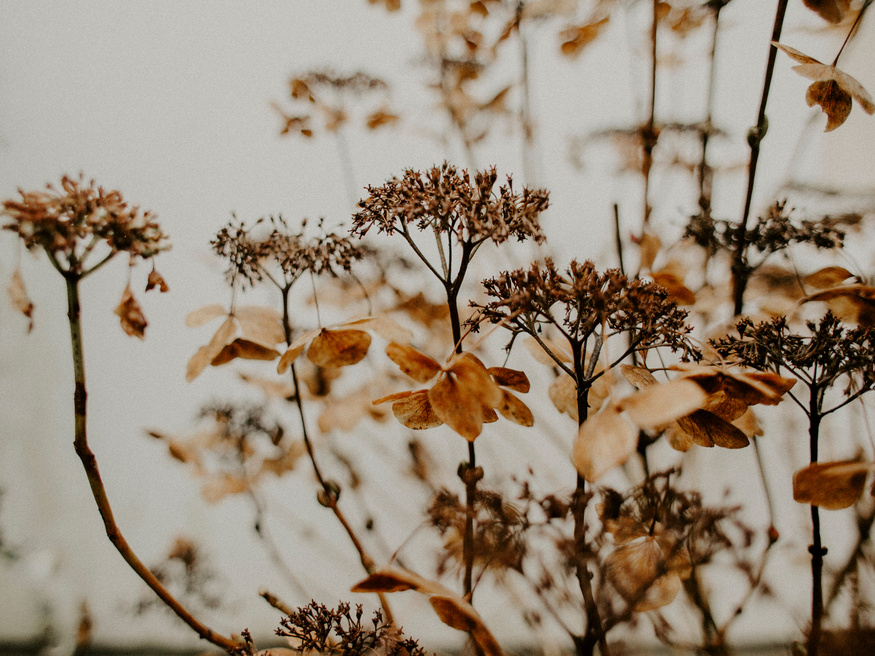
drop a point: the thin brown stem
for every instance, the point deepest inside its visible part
(740, 273)
(89, 462)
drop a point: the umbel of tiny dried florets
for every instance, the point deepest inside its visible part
(80, 223)
(445, 201)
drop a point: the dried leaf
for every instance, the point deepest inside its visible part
(131, 316)
(604, 441)
(20, 300)
(413, 409)
(831, 485)
(473, 377)
(454, 404)
(418, 366)
(338, 348)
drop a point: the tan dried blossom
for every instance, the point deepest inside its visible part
(832, 88)
(831, 485)
(250, 333)
(465, 396)
(70, 224)
(833, 11)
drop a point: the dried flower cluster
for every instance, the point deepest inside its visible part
(443, 200)
(72, 221)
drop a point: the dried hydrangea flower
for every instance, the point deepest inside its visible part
(832, 88)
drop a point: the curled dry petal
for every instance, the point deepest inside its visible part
(516, 411)
(604, 441)
(156, 280)
(853, 303)
(454, 404)
(201, 316)
(261, 324)
(20, 300)
(831, 485)
(245, 350)
(707, 429)
(657, 406)
(338, 348)
(418, 366)
(131, 315)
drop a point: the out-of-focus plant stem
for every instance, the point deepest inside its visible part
(89, 462)
(740, 273)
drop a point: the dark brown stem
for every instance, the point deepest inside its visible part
(740, 273)
(595, 633)
(89, 462)
(706, 173)
(648, 133)
(816, 549)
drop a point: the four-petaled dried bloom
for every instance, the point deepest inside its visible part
(832, 89)
(446, 201)
(71, 221)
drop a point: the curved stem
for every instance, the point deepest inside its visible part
(89, 462)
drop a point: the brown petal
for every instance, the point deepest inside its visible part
(675, 287)
(658, 405)
(20, 300)
(605, 440)
(245, 350)
(798, 56)
(288, 358)
(131, 315)
(201, 316)
(473, 377)
(154, 280)
(457, 407)
(707, 429)
(827, 277)
(635, 570)
(833, 100)
(638, 376)
(413, 410)
(833, 11)
(418, 366)
(678, 438)
(515, 410)
(338, 348)
(396, 579)
(510, 378)
(831, 485)
(261, 324)
(854, 303)
(563, 394)
(460, 615)
(387, 328)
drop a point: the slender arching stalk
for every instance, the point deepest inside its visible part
(89, 462)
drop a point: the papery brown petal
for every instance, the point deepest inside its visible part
(285, 462)
(396, 579)
(460, 615)
(131, 316)
(725, 406)
(515, 410)
(604, 441)
(831, 485)
(853, 303)
(380, 118)
(20, 300)
(833, 11)
(634, 570)
(415, 411)
(201, 316)
(288, 358)
(708, 429)
(563, 394)
(154, 280)
(658, 405)
(220, 486)
(261, 324)
(833, 100)
(748, 424)
(489, 415)
(473, 377)
(543, 356)
(385, 327)
(510, 378)
(457, 407)
(418, 366)
(245, 350)
(678, 438)
(677, 291)
(648, 247)
(338, 348)
(827, 277)
(802, 58)
(639, 377)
